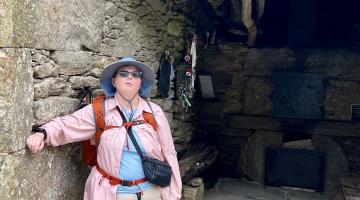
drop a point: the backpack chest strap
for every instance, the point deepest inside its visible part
(133, 123)
(126, 124)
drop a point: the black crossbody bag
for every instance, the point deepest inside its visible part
(156, 171)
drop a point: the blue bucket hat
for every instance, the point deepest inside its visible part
(147, 81)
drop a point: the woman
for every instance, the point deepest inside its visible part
(124, 83)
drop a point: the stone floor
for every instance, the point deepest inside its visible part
(234, 189)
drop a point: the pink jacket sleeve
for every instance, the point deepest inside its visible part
(71, 128)
(167, 145)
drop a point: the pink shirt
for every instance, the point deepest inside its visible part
(81, 126)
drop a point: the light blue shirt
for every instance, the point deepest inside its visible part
(130, 164)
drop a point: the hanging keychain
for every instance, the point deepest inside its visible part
(183, 97)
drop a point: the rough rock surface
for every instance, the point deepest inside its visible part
(49, 51)
(50, 177)
(53, 25)
(193, 190)
(16, 96)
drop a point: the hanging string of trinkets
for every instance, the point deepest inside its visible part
(187, 88)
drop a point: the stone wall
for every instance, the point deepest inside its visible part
(240, 121)
(49, 51)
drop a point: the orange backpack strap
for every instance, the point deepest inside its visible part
(150, 117)
(99, 114)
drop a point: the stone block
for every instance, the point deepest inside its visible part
(51, 87)
(165, 104)
(339, 95)
(72, 63)
(232, 139)
(180, 147)
(51, 107)
(78, 82)
(193, 192)
(143, 11)
(38, 57)
(181, 136)
(262, 62)
(127, 4)
(45, 70)
(132, 38)
(185, 117)
(257, 97)
(241, 133)
(169, 117)
(336, 163)
(252, 122)
(150, 32)
(175, 28)
(121, 49)
(53, 25)
(195, 182)
(252, 155)
(183, 126)
(222, 79)
(228, 62)
(351, 147)
(16, 98)
(115, 23)
(157, 6)
(110, 9)
(95, 72)
(325, 127)
(54, 174)
(334, 63)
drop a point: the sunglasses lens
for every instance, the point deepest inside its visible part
(125, 74)
(136, 74)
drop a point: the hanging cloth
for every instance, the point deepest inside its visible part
(193, 61)
(164, 76)
(172, 74)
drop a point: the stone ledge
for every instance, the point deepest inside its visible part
(331, 128)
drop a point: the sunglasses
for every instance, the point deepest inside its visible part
(125, 74)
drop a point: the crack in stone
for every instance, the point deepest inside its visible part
(126, 10)
(9, 154)
(15, 48)
(12, 152)
(2, 162)
(16, 151)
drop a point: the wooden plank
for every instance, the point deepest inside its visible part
(351, 194)
(195, 161)
(351, 182)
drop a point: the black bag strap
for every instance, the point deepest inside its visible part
(131, 135)
(136, 145)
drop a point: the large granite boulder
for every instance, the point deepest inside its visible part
(55, 174)
(53, 25)
(16, 96)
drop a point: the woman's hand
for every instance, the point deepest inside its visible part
(35, 142)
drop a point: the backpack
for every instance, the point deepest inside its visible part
(89, 151)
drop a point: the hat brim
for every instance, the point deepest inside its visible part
(111, 69)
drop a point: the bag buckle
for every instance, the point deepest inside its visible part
(137, 122)
(127, 183)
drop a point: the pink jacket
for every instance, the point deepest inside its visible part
(81, 126)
